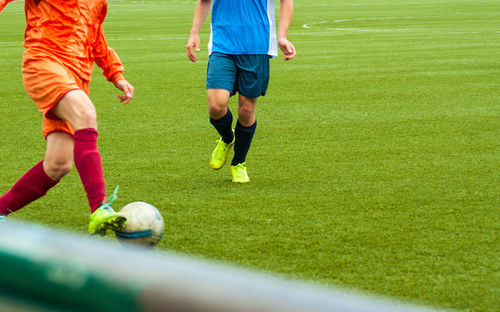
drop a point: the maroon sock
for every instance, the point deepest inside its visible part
(89, 166)
(32, 185)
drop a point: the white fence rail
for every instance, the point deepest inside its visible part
(47, 270)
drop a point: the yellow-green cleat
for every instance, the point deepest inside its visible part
(105, 218)
(219, 155)
(239, 173)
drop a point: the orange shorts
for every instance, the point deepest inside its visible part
(47, 81)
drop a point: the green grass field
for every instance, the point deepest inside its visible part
(375, 165)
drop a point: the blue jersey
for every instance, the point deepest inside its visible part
(243, 27)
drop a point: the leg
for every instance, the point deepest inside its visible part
(252, 82)
(246, 110)
(221, 77)
(222, 119)
(220, 115)
(76, 108)
(61, 96)
(218, 99)
(245, 128)
(244, 131)
(38, 180)
(59, 155)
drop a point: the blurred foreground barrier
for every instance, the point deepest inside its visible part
(46, 270)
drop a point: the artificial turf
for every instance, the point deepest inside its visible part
(375, 165)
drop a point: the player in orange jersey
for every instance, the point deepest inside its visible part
(63, 39)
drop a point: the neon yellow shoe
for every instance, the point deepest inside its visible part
(219, 155)
(239, 173)
(105, 218)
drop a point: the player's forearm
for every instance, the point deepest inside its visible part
(106, 58)
(200, 15)
(286, 13)
(112, 67)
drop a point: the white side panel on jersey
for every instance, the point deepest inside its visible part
(273, 44)
(211, 41)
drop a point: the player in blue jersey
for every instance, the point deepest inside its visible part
(243, 39)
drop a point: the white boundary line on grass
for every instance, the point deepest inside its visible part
(312, 25)
(320, 26)
(359, 19)
(429, 31)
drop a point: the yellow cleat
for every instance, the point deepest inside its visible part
(105, 218)
(219, 155)
(239, 173)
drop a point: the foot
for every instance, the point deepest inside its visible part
(219, 155)
(239, 173)
(105, 218)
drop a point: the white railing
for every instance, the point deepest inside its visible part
(68, 272)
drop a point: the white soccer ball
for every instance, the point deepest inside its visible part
(144, 224)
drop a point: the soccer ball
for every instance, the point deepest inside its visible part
(144, 224)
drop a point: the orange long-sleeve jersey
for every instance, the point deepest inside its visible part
(70, 30)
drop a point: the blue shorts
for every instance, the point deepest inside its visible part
(247, 74)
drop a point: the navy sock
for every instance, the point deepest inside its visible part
(223, 126)
(244, 136)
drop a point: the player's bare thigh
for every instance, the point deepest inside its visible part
(76, 108)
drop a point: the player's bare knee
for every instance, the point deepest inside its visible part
(246, 112)
(217, 110)
(58, 168)
(62, 171)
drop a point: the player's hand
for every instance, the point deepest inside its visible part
(192, 46)
(287, 48)
(127, 89)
